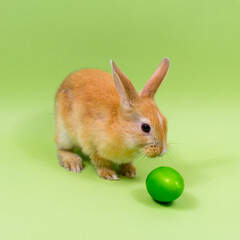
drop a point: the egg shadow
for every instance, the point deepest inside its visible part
(186, 201)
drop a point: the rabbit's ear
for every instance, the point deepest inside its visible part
(124, 87)
(156, 79)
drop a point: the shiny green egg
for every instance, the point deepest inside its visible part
(164, 184)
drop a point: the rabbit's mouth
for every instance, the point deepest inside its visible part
(152, 151)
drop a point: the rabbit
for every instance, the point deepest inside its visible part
(111, 122)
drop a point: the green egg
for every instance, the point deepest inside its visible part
(164, 184)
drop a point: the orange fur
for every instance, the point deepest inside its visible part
(128, 170)
(102, 115)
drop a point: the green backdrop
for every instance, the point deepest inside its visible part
(43, 41)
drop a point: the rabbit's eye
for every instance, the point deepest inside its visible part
(146, 128)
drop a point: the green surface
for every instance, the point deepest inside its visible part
(164, 184)
(43, 41)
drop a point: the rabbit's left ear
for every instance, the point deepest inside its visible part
(156, 79)
(126, 90)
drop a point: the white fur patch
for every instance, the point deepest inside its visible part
(145, 120)
(115, 177)
(160, 120)
(63, 140)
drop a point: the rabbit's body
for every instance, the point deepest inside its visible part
(87, 106)
(105, 116)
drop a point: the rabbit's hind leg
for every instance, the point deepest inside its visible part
(67, 158)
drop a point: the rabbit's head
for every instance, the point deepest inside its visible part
(143, 126)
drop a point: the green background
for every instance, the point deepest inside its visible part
(43, 41)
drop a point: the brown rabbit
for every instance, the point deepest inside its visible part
(105, 116)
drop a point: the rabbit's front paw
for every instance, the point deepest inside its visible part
(70, 161)
(107, 173)
(128, 170)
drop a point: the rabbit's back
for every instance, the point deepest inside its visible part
(91, 87)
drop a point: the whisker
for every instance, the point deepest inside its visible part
(176, 143)
(174, 153)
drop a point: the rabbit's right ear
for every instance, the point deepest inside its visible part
(127, 92)
(156, 79)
